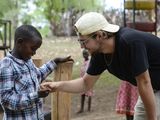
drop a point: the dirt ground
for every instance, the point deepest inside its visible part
(103, 105)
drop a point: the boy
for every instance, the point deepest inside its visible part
(20, 78)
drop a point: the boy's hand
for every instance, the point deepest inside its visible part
(62, 59)
(42, 94)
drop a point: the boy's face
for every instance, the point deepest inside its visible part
(27, 48)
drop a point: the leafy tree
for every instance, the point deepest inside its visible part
(5, 6)
(10, 10)
(53, 9)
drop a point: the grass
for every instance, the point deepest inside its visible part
(63, 46)
(107, 79)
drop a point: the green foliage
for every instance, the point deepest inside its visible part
(52, 9)
(10, 10)
(26, 19)
(107, 79)
(82, 4)
(5, 6)
(10, 6)
(44, 31)
(49, 8)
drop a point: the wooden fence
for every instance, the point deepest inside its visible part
(60, 102)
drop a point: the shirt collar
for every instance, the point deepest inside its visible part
(20, 61)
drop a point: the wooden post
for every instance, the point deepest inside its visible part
(61, 101)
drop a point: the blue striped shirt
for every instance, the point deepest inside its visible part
(19, 83)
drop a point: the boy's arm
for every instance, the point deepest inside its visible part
(146, 92)
(45, 70)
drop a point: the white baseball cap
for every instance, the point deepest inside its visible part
(92, 22)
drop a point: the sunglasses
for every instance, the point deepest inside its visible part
(84, 42)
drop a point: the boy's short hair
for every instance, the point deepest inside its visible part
(26, 32)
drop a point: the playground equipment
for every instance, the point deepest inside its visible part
(5, 35)
(142, 15)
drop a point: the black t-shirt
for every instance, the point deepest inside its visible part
(135, 52)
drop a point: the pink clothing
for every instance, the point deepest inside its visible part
(82, 72)
(126, 98)
(84, 68)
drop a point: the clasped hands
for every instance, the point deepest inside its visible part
(47, 87)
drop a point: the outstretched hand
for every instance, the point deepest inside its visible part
(49, 86)
(62, 59)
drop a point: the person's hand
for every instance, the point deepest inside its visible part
(62, 59)
(43, 94)
(49, 86)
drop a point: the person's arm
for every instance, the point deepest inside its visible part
(147, 95)
(73, 86)
(45, 70)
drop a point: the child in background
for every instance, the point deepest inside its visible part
(126, 99)
(89, 93)
(20, 78)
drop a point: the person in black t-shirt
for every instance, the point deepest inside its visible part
(128, 54)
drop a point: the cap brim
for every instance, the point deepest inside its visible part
(111, 28)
